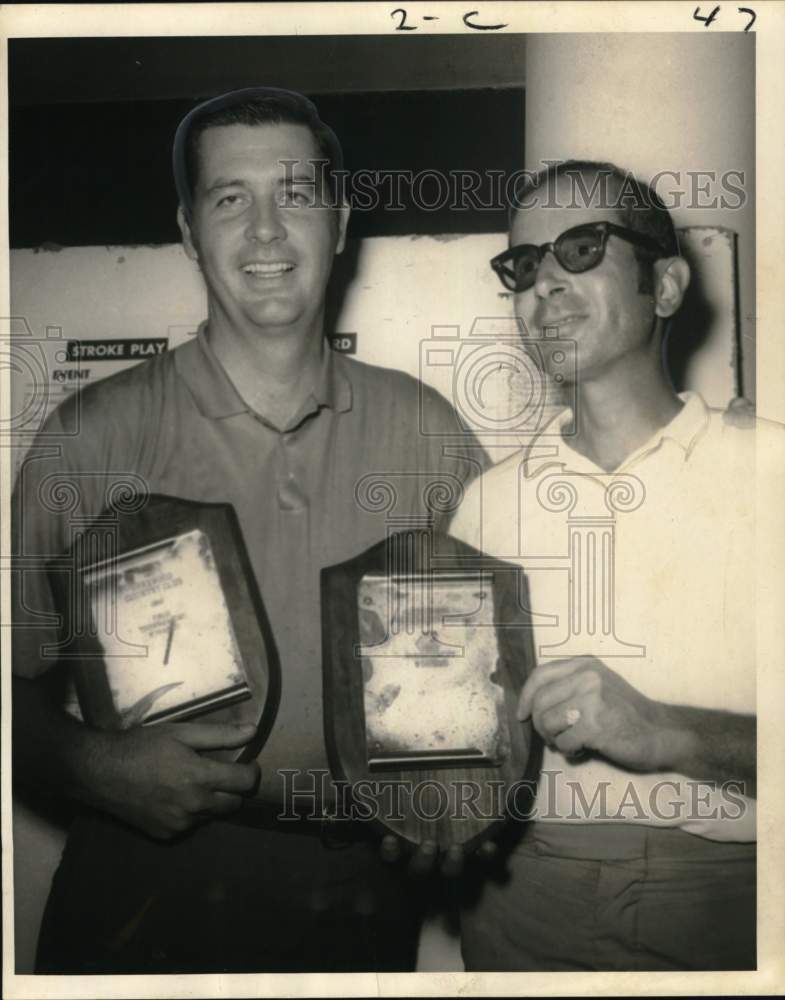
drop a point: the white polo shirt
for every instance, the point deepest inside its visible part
(650, 568)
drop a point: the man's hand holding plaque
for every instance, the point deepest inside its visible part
(422, 859)
(158, 779)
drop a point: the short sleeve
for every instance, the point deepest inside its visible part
(57, 490)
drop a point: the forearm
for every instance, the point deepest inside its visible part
(52, 749)
(709, 745)
(155, 778)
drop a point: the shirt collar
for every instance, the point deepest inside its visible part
(688, 425)
(685, 430)
(216, 396)
(333, 388)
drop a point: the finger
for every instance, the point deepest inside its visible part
(176, 827)
(572, 741)
(391, 849)
(221, 803)
(556, 720)
(487, 850)
(554, 694)
(453, 862)
(231, 777)
(559, 705)
(546, 673)
(424, 859)
(213, 735)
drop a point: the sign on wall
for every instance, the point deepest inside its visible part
(397, 295)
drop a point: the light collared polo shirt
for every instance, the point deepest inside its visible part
(651, 569)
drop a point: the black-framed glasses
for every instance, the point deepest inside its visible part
(578, 249)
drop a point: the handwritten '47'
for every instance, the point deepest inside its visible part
(697, 16)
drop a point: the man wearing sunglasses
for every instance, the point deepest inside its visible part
(632, 515)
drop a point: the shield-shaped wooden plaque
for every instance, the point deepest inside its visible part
(165, 621)
(426, 646)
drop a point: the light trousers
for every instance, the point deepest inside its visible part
(614, 897)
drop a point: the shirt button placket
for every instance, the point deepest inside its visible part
(290, 489)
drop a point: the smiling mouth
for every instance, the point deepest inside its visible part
(273, 270)
(559, 322)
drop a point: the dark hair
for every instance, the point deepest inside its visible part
(637, 205)
(251, 106)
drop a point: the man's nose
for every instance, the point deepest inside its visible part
(265, 222)
(551, 277)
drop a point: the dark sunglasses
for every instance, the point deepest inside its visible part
(578, 249)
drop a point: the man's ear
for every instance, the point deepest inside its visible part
(189, 243)
(672, 278)
(343, 221)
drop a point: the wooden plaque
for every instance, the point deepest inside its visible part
(426, 646)
(165, 621)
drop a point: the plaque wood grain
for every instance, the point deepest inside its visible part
(345, 714)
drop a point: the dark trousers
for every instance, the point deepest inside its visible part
(614, 897)
(228, 897)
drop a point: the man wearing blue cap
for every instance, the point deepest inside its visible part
(169, 870)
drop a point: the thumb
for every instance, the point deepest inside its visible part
(212, 735)
(390, 848)
(524, 707)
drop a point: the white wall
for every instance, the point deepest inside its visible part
(402, 293)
